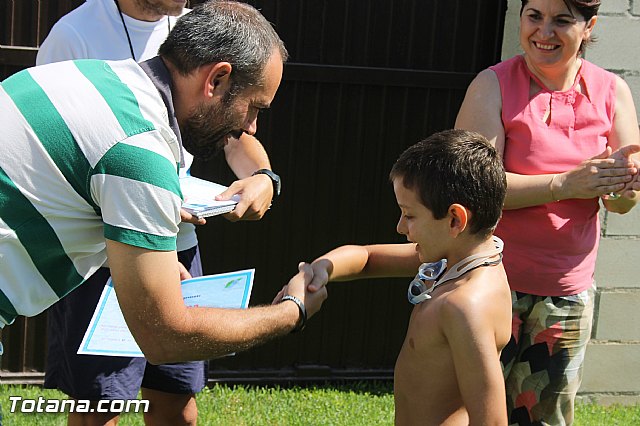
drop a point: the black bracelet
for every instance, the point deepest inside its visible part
(275, 180)
(303, 312)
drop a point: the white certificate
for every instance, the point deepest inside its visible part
(199, 197)
(109, 335)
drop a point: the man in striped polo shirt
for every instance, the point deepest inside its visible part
(88, 175)
(121, 29)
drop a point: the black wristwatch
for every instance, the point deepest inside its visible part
(275, 179)
(302, 320)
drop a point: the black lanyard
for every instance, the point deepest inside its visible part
(126, 31)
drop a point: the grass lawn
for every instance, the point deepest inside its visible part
(351, 404)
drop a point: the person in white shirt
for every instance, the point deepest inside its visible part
(122, 29)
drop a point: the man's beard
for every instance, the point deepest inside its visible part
(205, 131)
(158, 8)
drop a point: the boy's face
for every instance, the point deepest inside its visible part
(418, 224)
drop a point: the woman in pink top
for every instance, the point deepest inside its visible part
(565, 129)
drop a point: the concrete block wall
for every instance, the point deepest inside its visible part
(612, 365)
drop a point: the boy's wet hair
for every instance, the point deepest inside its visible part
(456, 166)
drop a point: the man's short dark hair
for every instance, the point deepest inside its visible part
(456, 166)
(223, 31)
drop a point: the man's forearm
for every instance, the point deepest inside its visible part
(147, 284)
(246, 155)
(207, 333)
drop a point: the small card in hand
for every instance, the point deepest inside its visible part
(199, 197)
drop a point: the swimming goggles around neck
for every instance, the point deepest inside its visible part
(437, 273)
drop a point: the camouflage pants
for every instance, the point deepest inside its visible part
(542, 363)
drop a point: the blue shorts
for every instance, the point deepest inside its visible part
(103, 377)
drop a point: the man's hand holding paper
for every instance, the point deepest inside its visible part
(255, 194)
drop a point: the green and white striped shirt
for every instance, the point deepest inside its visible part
(86, 153)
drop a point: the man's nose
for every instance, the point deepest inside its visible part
(251, 126)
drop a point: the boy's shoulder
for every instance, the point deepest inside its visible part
(482, 300)
(479, 288)
(474, 293)
(478, 280)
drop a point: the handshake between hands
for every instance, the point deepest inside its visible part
(308, 285)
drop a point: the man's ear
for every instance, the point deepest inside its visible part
(218, 79)
(459, 218)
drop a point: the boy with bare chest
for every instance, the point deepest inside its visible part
(450, 189)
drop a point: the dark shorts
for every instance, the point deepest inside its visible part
(104, 377)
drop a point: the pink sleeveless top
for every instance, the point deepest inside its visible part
(550, 249)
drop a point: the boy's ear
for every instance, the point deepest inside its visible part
(458, 219)
(218, 79)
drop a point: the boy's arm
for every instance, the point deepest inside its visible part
(469, 324)
(356, 262)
